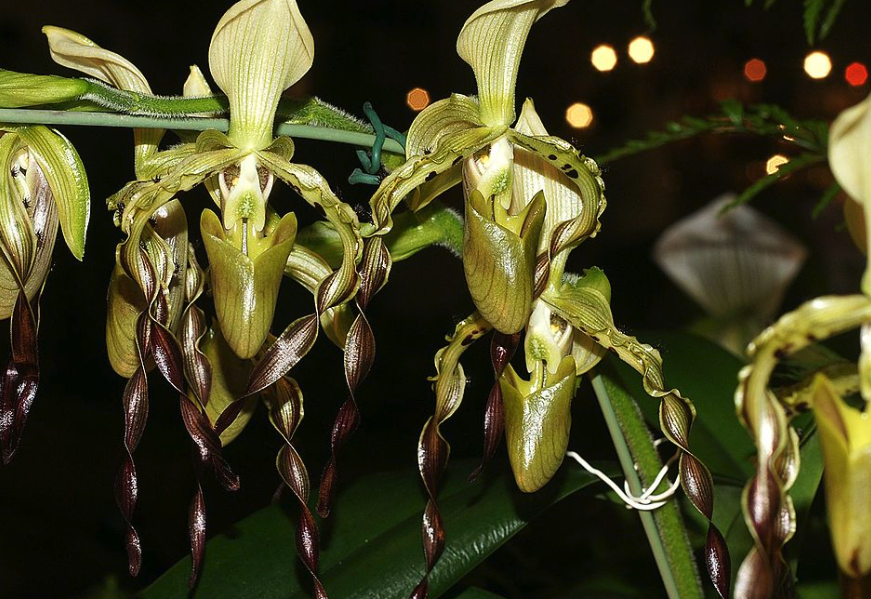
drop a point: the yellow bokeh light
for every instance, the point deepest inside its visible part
(579, 115)
(641, 50)
(774, 163)
(817, 65)
(604, 58)
(417, 99)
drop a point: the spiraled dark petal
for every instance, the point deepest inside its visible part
(332, 290)
(290, 466)
(21, 377)
(196, 364)
(197, 533)
(494, 426)
(208, 443)
(359, 352)
(135, 403)
(718, 562)
(359, 357)
(288, 349)
(168, 356)
(502, 349)
(589, 311)
(374, 270)
(540, 275)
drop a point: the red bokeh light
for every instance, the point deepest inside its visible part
(856, 74)
(755, 70)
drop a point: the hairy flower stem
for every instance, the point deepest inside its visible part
(110, 119)
(663, 527)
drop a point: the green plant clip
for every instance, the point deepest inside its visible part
(371, 161)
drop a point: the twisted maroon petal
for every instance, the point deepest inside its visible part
(502, 349)
(359, 357)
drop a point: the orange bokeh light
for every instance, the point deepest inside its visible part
(755, 70)
(856, 74)
(417, 99)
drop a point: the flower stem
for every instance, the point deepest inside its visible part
(110, 119)
(663, 527)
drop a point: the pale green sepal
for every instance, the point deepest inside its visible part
(491, 42)
(580, 171)
(439, 119)
(125, 302)
(246, 290)
(537, 424)
(229, 378)
(196, 85)
(845, 436)
(16, 230)
(259, 49)
(534, 173)
(418, 170)
(499, 261)
(75, 51)
(20, 224)
(65, 173)
(18, 90)
(430, 190)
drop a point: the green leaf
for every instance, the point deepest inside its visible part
(475, 593)
(664, 527)
(813, 9)
(828, 195)
(708, 375)
(371, 544)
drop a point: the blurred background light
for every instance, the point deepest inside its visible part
(817, 65)
(856, 74)
(641, 50)
(417, 99)
(755, 70)
(774, 163)
(604, 58)
(579, 115)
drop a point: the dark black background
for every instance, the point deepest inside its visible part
(60, 532)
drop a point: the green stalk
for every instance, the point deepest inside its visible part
(411, 233)
(108, 119)
(663, 527)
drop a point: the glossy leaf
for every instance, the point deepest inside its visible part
(373, 551)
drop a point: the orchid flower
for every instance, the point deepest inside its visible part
(42, 184)
(259, 49)
(471, 139)
(843, 429)
(530, 198)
